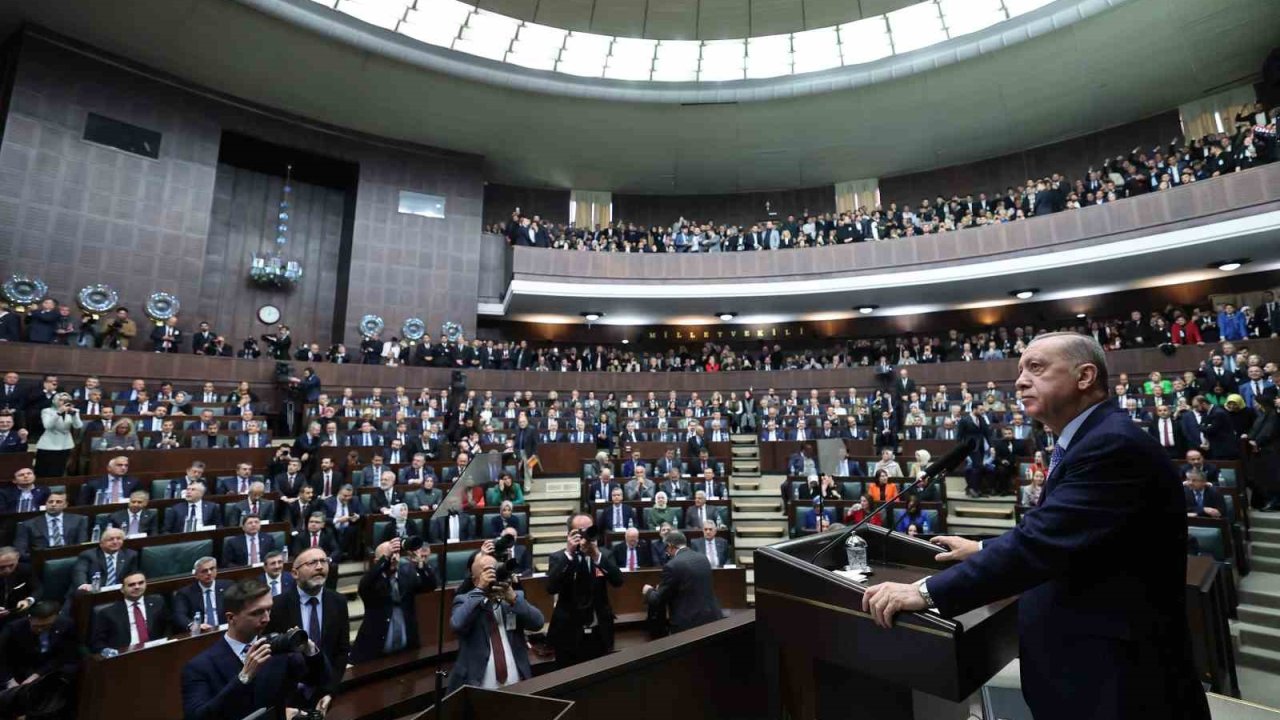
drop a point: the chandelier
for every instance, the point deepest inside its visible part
(275, 269)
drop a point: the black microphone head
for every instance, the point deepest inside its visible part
(951, 460)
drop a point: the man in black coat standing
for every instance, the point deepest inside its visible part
(387, 590)
(582, 621)
(975, 429)
(686, 588)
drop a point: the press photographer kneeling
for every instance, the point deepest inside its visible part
(247, 671)
(490, 620)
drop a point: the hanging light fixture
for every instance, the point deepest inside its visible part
(275, 269)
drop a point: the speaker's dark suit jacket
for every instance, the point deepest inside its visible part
(686, 589)
(210, 690)
(111, 623)
(335, 626)
(1100, 566)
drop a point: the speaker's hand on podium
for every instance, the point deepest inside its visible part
(958, 548)
(888, 599)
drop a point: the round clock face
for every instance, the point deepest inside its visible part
(269, 314)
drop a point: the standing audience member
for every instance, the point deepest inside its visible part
(490, 621)
(387, 590)
(686, 589)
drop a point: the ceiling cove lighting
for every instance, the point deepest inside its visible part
(1024, 294)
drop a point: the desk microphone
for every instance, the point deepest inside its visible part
(941, 466)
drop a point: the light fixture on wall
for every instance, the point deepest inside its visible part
(274, 269)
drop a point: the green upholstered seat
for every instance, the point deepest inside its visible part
(174, 560)
(55, 578)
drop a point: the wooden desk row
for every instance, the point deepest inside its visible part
(109, 684)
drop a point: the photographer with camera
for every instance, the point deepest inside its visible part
(490, 621)
(57, 441)
(278, 344)
(117, 330)
(582, 621)
(248, 670)
(387, 590)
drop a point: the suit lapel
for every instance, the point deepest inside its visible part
(1095, 418)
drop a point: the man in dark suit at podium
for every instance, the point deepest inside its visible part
(1100, 563)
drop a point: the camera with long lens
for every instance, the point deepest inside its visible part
(591, 534)
(289, 641)
(507, 567)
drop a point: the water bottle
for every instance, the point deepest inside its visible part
(631, 523)
(197, 619)
(855, 549)
(96, 582)
(99, 498)
(97, 533)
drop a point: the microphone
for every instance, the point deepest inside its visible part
(954, 457)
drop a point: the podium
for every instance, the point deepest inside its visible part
(825, 658)
(473, 703)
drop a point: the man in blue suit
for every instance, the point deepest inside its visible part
(23, 495)
(1100, 563)
(239, 675)
(249, 548)
(115, 487)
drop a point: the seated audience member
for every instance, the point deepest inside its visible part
(601, 489)
(631, 553)
(700, 512)
(506, 518)
(250, 546)
(320, 611)
(19, 587)
(302, 507)
(110, 561)
(1031, 492)
(888, 464)
(316, 536)
(1202, 499)
(416, 472)
(487, 611)
(399, 525)
(811, 519)
(860, 511)
(660, 513)
(657, 548)
(195, 473)
(505, 491)
(11, 441)
(385, 496)
(210, 439)
(395, 453)
(616, 516)
(253, 504)
(452, 527)
(676, 487)
(239, 483)
(368, 475)
(882, 490)
(366, 436)
(253, 436)
(194, 514)
(327, 479)
(846, 467)
(237, 676)
(135, 619)
(639, 487)
(23, 495)
(40, 645)
(343, 512)
(686, 590)
(113, 488)
(913, 522)
(388, 591)
(273, 574)
(168, 438)
(202, 597)
(1195, 461)
(629, 467)
(426, 496)
(716, 549)
(707, 483)
(52, 528)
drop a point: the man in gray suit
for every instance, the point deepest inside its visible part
(252, 504)
(715, 549)
(639, 487)
(210, 439)
(110, 560)
(686, 589)
(52, 529)
(488, 609)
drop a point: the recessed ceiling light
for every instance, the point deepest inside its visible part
(868, 309)
(1229, 265)
(727, 316)
(625, 341)
(1025, 293)
(1081, 316)
(592, 316)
